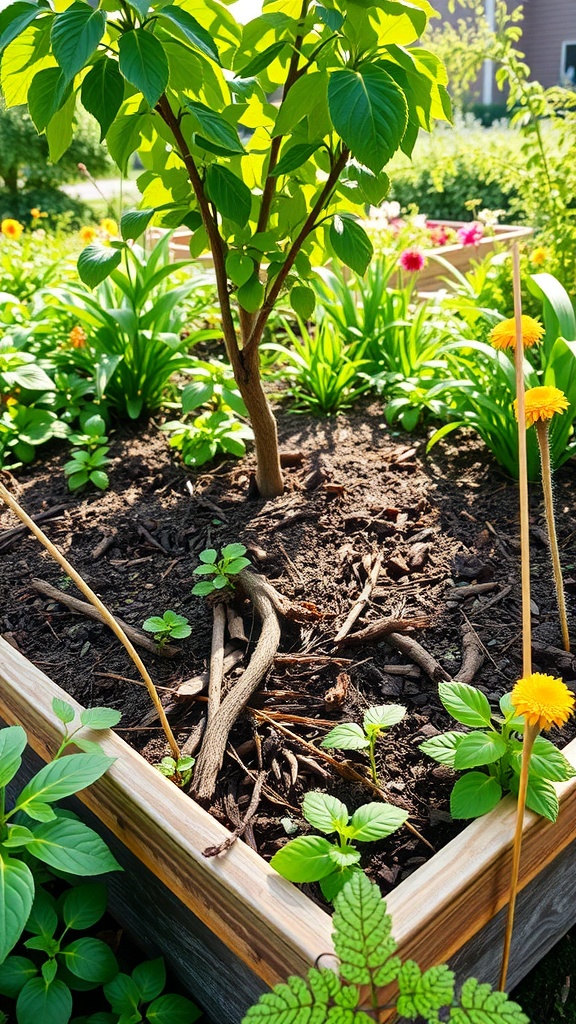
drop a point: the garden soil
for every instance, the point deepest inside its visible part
(354, 489)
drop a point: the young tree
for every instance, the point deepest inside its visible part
(270, 189)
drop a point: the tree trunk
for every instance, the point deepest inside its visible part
(268, 473)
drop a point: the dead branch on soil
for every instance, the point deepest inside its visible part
(214, 851)
(412, 649)
(381, 629)
(106, 615)
(361, 601)
(216, 660)
(472, 654)
(137, 636)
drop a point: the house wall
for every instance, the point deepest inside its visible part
(547, 24)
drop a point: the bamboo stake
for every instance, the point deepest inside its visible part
(544, 445)
(106, 615)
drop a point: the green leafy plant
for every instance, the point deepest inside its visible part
(86, 464)
(354, 90)
(351, 736)
(168, 626)
(367, 967)
(223, 569)
(208, 435)
(315, 859)
(180, 771)
(494, 746)
(33, 828)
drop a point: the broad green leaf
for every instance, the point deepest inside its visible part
(14, 973)
(45, 96)
(172, 1009)
(60, 129)
(230, 551)
(239, 268)
(91, 960)
(344, 857)
(478, 748)
(16, 896)
(443, 747)
(350, 243)
(150, 977)
(251, 295)
(348, 736)
(325, 812)
(465, 703)
(43, 919)
(474, 794)
(369, 112)
(63, 710)
(203, 589)
(75, 35)
(72, 847)
(84, 905)
(262, 60)
(122, 993)
(232, 198)
(14, 19)
(144, 63)
(542, 797)
(293, 158)
(39, 811)
(191, 29)
(39, 1001)
(12, 745)
(134, 223)
(213, 127)
(100, 718)
(308, 96)
(509, 712)
(123, 138)
(102, 93)
(304, 859)
(303, 301)
(63, 777)
(384, 716)
(375, 821)
(334, 883)
(548, 762)
(18, 836)
(96, 262)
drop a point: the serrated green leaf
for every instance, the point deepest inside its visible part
(63, 710)
(443, 747)
(348, 736)
(480, 1005)
(47, 92)
(424, 994)
(72, 847)
(548, 762)
(230, 195)
(376, 821)
(100, 718)
(369, 112)
(383, 716)
(233, 551)
(144, 63)
(362, 928)
(304, 859)
(102, 93)
(350, 243)
(479, 748)
(465, 703)
(214, 128)
(12, 745)
(542, 797)
(75, 35)
(62, 778)
(16, 897)
(474, 794)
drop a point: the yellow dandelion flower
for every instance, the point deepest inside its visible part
(11, 229)
(504, 334)
(542, 404)
(109, 226)
(538, 256)
(88, 234)
(543, 700)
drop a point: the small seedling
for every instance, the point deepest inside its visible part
(179, 771)
(314, 859)
(86, 464)
(222, 570)
(168, 626)
(351, 736)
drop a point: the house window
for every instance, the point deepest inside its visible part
(568, 64)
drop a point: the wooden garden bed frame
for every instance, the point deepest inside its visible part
(230, 923)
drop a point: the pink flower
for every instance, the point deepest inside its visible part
(470, 234)
(438, 234)
(412, 260)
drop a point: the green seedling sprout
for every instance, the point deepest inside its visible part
(222, 570)
(168, 626)
(351, 736)
(180, 771)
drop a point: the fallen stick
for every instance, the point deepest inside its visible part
(361, 601)
(472, 655)
(412, 649)
(9, 536)
(381, 629)
(458, 593)
(214, 851)
(216, 660)
(137, 636)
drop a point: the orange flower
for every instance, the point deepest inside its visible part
(543, 700)
(77, 337)
(36, 213)
(109, 226)
(504, 334)
(542, 404)
(88, 234)
(11, 229)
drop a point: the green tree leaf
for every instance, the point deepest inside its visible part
(261, 60)
(294, 157)
(213, 127)
(150, 977)
(102, 93)
(369, 112)
(191, 30)
(465, 703)
(348, 736)
(251, 295)
(474, 794)
(63, 710)
(96, 262)
(72, 847)
(478, 748)
(46, 95)
(91, 960)
(325, 812)
(304, 859)
(63, 777)
(351, 243)
(144, 63)
(232, 198)
(39, 1001)
(443, 748)
(16, 897)
(172, 1009)
(14, 973)
(134, 223)
(123, 137)
(12, 745)
(14, 19)
(84, 905)
(75, 35)
(376, 821)
(100, 718)
(239, 268)
(303, 301)
(60, 129)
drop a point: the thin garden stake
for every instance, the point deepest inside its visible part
(111, 621)
(526, 623)
(544, 445)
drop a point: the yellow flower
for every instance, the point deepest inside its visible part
(77, 337)
(542, 403)
(504, 334)
(11, 229)
(543, 700)
(539, 255)
(36, 213)
(88, 234)
(109, 226)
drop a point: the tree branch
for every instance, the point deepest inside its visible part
(307, 228)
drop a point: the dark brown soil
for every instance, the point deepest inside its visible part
(440, 521)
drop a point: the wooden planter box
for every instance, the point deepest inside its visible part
(231, 925)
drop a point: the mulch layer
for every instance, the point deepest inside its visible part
(354, 489)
